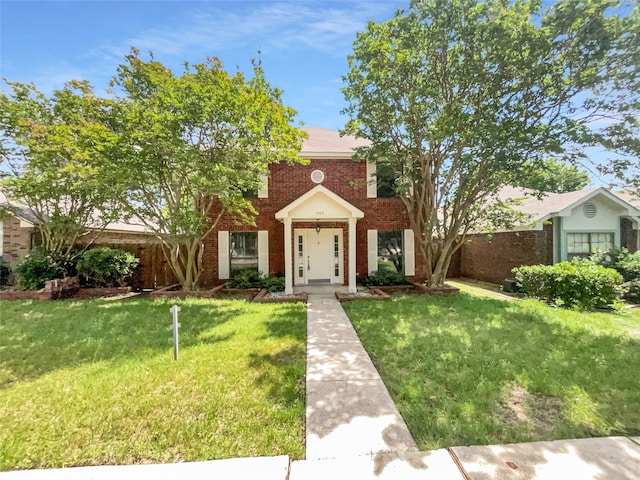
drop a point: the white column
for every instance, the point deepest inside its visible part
(288, 270)
(352, 255)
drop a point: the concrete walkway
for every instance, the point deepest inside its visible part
(349, 411)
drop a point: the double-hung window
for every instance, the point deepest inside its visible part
(585, 244)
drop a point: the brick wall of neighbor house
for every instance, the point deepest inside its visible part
(345, 178)
(16, 240)
(492, 260)
(628, 235)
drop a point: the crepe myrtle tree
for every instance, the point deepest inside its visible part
(461, 97)
(195, 143)
(54, 150)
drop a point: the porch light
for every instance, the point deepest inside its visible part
(318, 229)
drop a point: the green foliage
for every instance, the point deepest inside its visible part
(632, 290)
(384, 277)
(33, 270)
(5, 271)
(254, 279)
(274, 284)
(625, 263)
(106, 267)
(193, 144)
(459, 98)
(56, 149)
(555, 176)
(579, 284)
(246, 279)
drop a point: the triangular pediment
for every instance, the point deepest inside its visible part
(319, 204)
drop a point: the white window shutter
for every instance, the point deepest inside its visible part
(409, 254)
(223, 255)
(372, 181)
(372, 251)
(263, 252)
(263, 191)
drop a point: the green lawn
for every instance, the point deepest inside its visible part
(476, 370)
(94, 382)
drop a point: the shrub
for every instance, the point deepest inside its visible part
(625, 263)
(274, 284)
(5, 272)
(35, 269)
(246, 279)
(106, 267)
(577, 284)
(254, 279)
(632, 291)
(384, 278)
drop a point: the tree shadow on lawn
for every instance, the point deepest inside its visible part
(37, 338)
(451, 365)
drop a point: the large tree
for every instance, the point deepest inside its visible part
(554, 176)
(196, 143)
(54, 150)
(461, 97)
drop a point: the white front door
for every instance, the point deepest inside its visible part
(318, 256)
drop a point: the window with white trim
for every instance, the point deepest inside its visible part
(243, 252)
(587, 243)
(390, 251)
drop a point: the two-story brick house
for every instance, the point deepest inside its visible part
(334, 220)
(319, 222)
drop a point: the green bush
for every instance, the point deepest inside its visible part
(384, 277)
(274, 284)
(577, 284)
(5, 272)
(254, 279)
(35, 269)
(625, 263)
(632, 291)
(106, 267)
(246, 279)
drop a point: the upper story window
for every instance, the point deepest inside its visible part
(250, 194)
(386, 181)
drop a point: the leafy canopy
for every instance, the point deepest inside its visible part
(462, 97)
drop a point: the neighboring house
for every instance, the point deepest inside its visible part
(19, 234)
(320, 222)
(561, 226)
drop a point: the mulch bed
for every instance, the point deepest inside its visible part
(265, 297)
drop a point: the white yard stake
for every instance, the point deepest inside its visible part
(175, 326)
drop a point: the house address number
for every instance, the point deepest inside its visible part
(320, 212)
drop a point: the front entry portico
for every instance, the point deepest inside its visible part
(316, 254)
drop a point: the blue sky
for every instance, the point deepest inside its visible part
(304, 44)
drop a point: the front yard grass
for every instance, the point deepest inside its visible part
(469, 370)
(94, 382)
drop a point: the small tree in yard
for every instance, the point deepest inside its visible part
(461, 97)
(55, 150)
(195, 144)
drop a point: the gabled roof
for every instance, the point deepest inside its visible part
(551, 205)
(325, 143)
(317, 193)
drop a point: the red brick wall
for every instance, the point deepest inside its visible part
(345, 178)
(628, 235)
(16, 240)
(492, 260)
